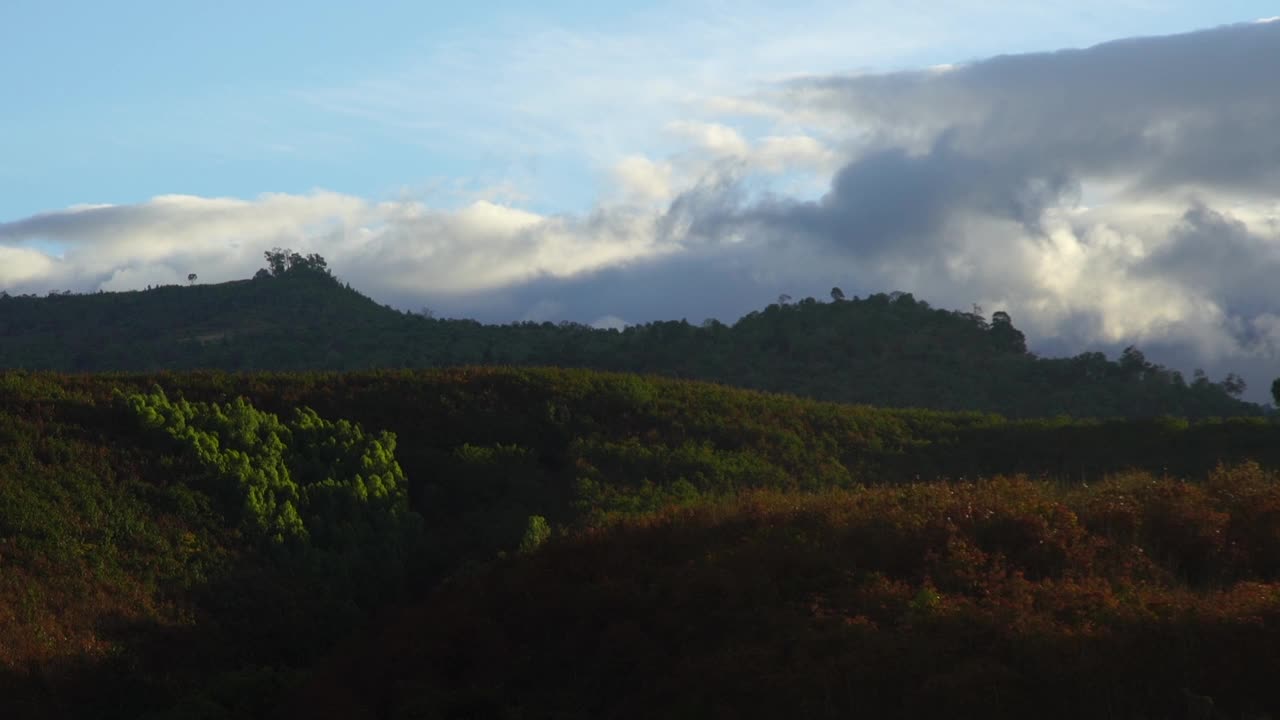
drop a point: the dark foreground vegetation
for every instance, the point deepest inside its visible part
(888, 350)
(564, 543)
(1138, 597)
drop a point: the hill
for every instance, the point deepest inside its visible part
(887, 350)
(186, 545)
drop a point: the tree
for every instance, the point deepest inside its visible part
(837, 294)
(1275, 391)
(978, 317)
(1133, 363)
(315, 263)
(536, 533)
(1007, 338)
(191, 278)
(277, 261)
(1234, 385)
(283, 261)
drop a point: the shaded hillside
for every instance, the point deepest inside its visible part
(1136, 597)
(887, 350)
(135, 578)
(304, 320)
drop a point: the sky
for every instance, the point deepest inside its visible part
(1106, 172)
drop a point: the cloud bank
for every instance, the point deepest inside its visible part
(1124, 193)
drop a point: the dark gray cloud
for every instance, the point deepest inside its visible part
(1012, 136)
(891, 202)
(1185, 109)
(1218, 255)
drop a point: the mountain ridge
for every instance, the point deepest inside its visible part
(887, 349)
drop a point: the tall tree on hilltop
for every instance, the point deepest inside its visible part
(277, 261)
(1006, 336)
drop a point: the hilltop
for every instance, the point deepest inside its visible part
(887, 349)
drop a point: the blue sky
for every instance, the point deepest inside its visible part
(1106, 170)
(119, 102)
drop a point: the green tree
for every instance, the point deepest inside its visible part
(317, 488)
(536, 533)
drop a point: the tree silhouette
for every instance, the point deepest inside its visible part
(283, 261)
(1006, 336)
(277, 261)
(1234, 385)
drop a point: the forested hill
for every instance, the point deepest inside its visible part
(889, 350)
(190, 545)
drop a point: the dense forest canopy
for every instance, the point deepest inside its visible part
(885, 349)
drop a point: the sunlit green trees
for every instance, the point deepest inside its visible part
(308, 485)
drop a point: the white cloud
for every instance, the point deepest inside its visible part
(132, 278)
(642, 180)
(391, 245)
(781, 153)
(24, 267)
(714, 138)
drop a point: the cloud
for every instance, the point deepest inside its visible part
(1156, 112)
(1219, 255)
(777, 153)
(397, 246)
(116, 246)
(642, 180)
(714, 138)
(609, 322)
(24, 266)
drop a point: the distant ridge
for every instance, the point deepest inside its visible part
(887, 349)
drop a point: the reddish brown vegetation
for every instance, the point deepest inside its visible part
(1002, 598)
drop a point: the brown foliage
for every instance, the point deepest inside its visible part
(1000, 598)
